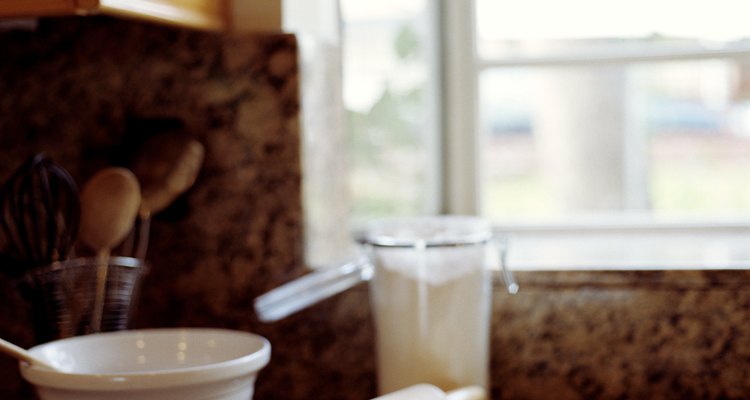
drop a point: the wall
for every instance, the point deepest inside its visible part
(88, 91)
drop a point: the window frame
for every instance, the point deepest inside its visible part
(460, 67)
(461, 172)
(461, 158)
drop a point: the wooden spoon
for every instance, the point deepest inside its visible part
(109, 205)
(21, 354)
(166, 166)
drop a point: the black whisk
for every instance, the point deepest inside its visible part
(40, 213)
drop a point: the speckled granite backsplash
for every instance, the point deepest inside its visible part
(88, 90)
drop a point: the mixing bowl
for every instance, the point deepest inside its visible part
(164, 364)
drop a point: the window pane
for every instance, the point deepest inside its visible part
(660, 138)
(546, 27)
(386, 76)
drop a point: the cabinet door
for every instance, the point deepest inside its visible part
(31, 8)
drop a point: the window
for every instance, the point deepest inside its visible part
(584, 124)
(637, 107)
(389, 81)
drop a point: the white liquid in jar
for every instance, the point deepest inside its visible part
(431, 309)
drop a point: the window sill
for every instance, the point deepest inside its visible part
(628, 245)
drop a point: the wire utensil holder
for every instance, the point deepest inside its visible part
(63, 294)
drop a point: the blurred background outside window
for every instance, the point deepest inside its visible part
(637, 107)
(581, 111)
(388, 81)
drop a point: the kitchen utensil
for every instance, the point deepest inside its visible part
(329, 281)
(63, 295)
(166, 166)
(430, 293)
(425, 391)
(420, 391)
(163, 364)
(109, 204)
(467, 393)
(40, 212)
(312, 288)
(22, 355)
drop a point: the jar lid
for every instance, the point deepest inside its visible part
(428, 231)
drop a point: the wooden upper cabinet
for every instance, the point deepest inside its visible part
(215, 15)
(29, 8)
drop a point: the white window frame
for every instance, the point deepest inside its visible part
(460, 67)
(461, 156)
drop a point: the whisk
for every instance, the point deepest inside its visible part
(40, 213)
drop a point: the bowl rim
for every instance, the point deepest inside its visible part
(246, 365)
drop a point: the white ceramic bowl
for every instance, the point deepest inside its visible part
(164, 364)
